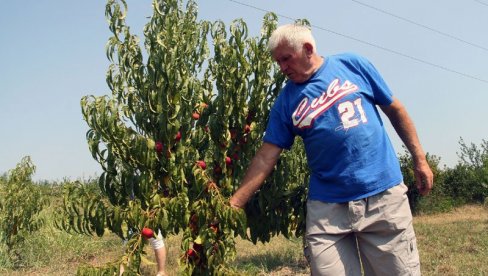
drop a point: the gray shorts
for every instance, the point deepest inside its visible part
(375, 234)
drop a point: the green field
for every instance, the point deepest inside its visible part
(454, 243)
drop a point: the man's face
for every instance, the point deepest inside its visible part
(294, 64)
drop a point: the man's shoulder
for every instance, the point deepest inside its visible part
(347, 57)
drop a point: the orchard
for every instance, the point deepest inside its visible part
(175, 136)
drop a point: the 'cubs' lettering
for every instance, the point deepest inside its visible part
(305, 114)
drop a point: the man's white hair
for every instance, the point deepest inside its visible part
(293, 34)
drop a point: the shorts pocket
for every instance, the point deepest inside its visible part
(409, 254)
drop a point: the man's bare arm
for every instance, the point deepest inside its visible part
(403, 124)
(261, 166)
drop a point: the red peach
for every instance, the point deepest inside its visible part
(178, 136)
(191, 253)
(159, 147)
(202, 164)
(147, 233)
(228, 160)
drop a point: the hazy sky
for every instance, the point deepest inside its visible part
(433, 54)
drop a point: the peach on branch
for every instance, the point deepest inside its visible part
(202, 164)
(159, 147)
(147, 233)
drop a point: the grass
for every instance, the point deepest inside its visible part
(51, 251)
(279, 257)
(454, 243)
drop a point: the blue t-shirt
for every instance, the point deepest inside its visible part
(348, 150)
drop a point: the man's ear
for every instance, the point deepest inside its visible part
(308, 47)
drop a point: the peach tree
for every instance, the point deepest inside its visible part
(175, 136)
(21, 202)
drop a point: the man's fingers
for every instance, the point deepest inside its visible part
(424, 182)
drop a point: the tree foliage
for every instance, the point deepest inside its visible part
(175, 136)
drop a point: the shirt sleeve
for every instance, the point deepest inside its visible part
(381, 92)
(279, 131)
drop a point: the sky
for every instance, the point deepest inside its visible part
(433, 55)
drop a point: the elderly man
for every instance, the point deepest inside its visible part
(358, 215)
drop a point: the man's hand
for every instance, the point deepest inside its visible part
(424, 177)
(235, 203)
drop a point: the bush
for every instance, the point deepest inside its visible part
(464, 184)
(468, 180)
(20, 204)
(437, 201)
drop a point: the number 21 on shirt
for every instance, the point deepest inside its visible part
(352, 113)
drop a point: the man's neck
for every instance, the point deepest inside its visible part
(317, 62)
